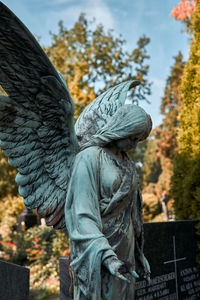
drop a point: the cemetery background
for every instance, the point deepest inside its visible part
(177, 137)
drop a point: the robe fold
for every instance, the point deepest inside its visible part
(103, 214)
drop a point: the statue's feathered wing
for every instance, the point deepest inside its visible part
(36, 120)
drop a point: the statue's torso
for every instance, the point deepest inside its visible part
(117, 224)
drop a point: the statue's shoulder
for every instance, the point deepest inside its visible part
(90, 153)
(87, 158)
(90, 150)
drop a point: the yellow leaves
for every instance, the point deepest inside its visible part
(7, 178)
(89, 57)
(10, 208)
(41, 282)
(185, 180)
(2, 92)
(189, 132)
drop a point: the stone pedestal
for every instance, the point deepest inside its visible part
(14, 282)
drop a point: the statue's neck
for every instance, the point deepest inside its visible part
(116, 152)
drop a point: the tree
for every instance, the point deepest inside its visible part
(7, 174)
(152, 166)
(162, 147)
(93, 61)
(7, 178)
(166, 133)
(170, 106)
(186, 179)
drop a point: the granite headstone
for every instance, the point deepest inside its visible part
(171, 250)
(65, 280)
(14, 282)
(27, 218)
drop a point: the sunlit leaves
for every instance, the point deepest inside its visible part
(93, 60)
(186, 183)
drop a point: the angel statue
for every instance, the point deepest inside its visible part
(79, 177)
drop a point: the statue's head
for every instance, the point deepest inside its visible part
(129, 125)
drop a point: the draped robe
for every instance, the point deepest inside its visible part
(104, 218)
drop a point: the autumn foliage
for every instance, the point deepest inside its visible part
(92, 60)
(162, 147)
(37, 248)
(184, 9)
(186, 180)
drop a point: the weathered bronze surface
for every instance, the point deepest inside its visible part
(78, 177)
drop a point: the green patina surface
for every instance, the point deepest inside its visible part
(78, 177)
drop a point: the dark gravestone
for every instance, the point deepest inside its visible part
(65, 280)
(27, 218)
(171, 250)
(14, 282)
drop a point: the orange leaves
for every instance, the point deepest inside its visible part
(9, 244)
(66, 252)
(32, 253)
(184, 9)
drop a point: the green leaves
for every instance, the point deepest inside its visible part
(185, 181)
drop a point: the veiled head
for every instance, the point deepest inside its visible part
(129, 121)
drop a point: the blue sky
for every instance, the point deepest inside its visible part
(131, 18)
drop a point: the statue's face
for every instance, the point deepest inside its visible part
(126, 144)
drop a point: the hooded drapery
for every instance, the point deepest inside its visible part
(103, 209)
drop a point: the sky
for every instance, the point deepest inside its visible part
(130, 18)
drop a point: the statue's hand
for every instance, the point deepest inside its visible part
(146, 269)
(118, 268)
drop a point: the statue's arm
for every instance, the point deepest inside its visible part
(141, 260)
(82, 211)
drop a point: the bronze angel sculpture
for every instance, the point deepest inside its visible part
(79, 177)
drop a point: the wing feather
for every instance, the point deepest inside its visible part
(26, 152)
(28, 179)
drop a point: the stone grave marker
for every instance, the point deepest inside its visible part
(171, 250)
(14, 282)
(28, 218)
(65, 280)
